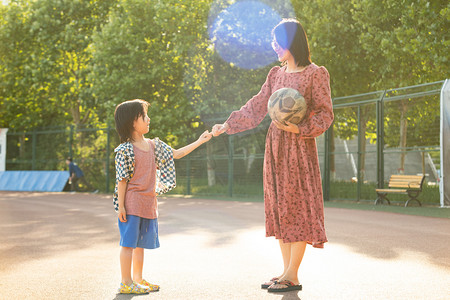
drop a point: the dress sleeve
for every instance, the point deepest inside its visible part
(254, 111)
(321, 115)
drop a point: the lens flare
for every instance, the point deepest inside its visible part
(241, 33)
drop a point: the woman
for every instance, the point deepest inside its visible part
(292, 183)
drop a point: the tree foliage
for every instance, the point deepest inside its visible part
(44, 61)
(73, 61)
(141, 53)
(370, 45)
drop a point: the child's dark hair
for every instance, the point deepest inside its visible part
(290, 35)
(125, 115)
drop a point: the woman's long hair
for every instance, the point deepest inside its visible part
(290, 35)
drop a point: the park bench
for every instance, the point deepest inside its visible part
(402, 184)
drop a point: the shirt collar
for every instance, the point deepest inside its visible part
(124, 146)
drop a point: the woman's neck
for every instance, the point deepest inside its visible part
(292, 67)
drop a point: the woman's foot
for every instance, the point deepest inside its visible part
(266, 285)
(284, 286)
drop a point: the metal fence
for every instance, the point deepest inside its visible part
(374, 135)
(48, 148)
(397, 132)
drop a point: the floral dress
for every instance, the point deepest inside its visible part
(293, 196)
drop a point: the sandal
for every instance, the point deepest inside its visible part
(134, 288)
(290, 286)
(266, 285)
(152, 287)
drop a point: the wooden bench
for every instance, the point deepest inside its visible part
(402, 184)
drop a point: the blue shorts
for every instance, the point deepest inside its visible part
(139, 232)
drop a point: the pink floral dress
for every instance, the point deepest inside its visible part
(292, 183)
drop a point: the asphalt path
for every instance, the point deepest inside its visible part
(65, 246)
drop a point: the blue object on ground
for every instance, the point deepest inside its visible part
(33, 181)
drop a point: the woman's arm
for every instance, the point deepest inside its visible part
(252, 113)
(321, 115)
(182, 152)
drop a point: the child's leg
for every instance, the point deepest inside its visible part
(138, 264)
(126, 256)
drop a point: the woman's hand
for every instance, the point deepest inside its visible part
(289, 127)
(218, 129)
(122, 214)
(206, 136)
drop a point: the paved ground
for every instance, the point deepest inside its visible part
(65, 246)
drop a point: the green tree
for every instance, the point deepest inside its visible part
(43, 68)
(370, 45)
(141, 53)
(44, 60)
(21, 103)
(407, 43)
(64, 32)
(334, 43)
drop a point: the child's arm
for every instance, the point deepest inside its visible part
(121, 189)
(182, 152)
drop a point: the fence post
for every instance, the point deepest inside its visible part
(33, 150)
(230, 165)
(71, 141)
(108, 141)
(326, 171)
(358, 183)
(188, 175)
(380, 142)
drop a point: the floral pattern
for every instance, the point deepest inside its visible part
(293, 196)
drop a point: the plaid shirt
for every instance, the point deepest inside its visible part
(165, 173)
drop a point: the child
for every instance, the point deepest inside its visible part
(76, 176)
(138, 182)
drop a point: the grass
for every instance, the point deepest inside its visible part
(347, 190)
(339, 190)
(425, 210)
(343, 195)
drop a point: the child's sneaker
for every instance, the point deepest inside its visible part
(134, 288)
(152, 287)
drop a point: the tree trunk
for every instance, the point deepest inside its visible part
(403, 133)
(22, 140)
(363, 148)
(249, 158)
(79, 120)
(210, 164)
(76, 114)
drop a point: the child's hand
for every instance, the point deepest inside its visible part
(206, 136)
(122, 214)
(218, 129)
